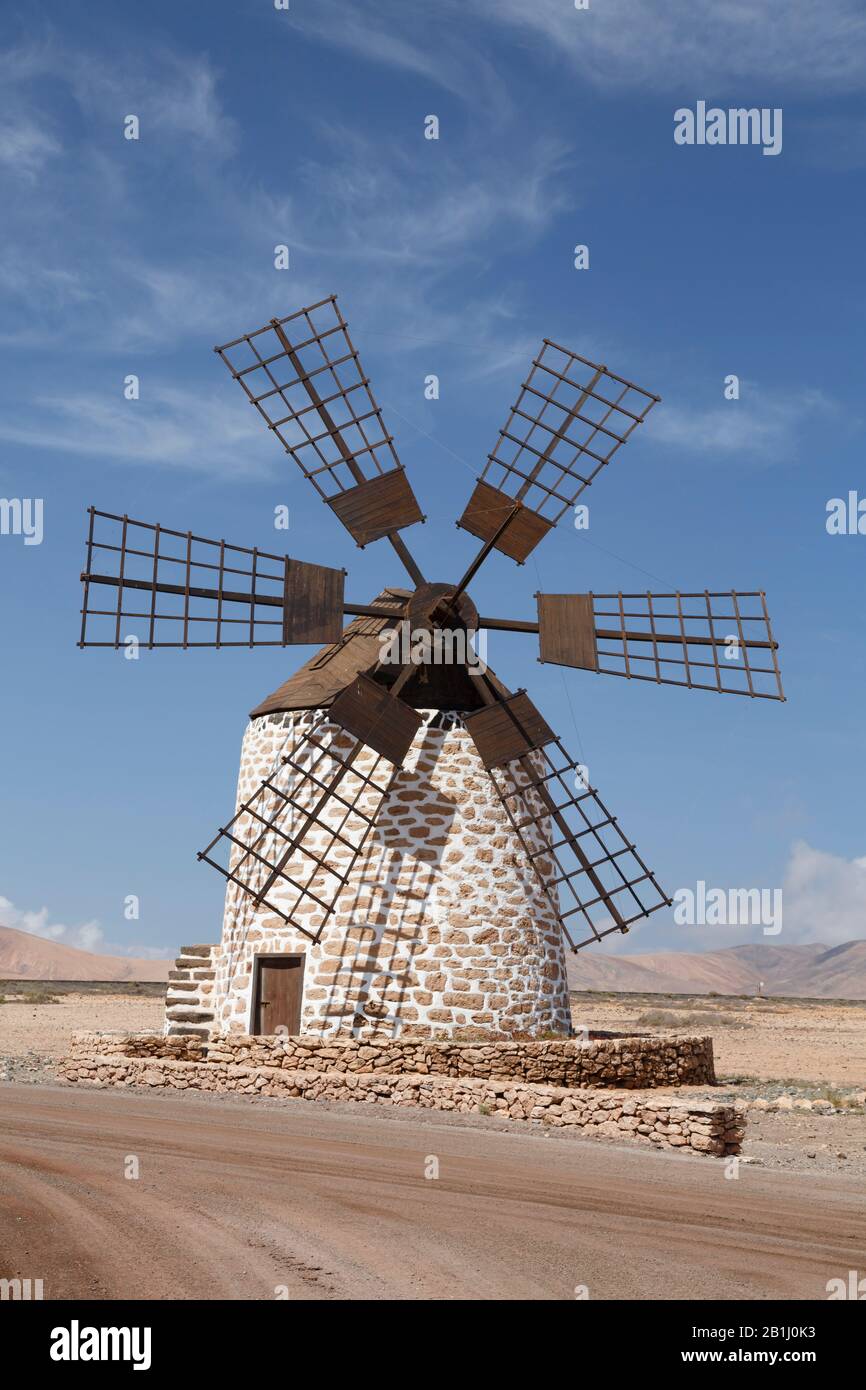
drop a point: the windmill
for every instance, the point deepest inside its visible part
(357, 757)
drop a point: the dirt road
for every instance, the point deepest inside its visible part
(237, 1201)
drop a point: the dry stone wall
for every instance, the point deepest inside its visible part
(622, 1063)
(442, 925)
(648, 1117)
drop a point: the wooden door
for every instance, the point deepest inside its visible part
(279, 986)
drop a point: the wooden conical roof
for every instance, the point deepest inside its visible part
(320, 680)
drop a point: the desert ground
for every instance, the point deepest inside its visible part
(797, 1066)
(807, 1043)
(818, 1042)
(33, 1032)
(238, 1198)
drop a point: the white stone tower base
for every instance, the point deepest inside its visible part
(443, 927)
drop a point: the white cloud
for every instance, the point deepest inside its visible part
(33, 282)
(165, 304)
(358, 201)
(633, 43)
(87, 937)
(204, 431)
(616, 44)
(824, 897)
(433, 46)
(762, 424)
(366, 203)
(91, 287)
(173, 94)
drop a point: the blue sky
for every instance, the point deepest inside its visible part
(454, 257)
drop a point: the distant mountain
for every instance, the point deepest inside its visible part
(810, 971)
(813, 970)
(27, 957)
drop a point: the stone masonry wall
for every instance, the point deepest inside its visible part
(647, 1117)
(626, 1063)
(442, 925)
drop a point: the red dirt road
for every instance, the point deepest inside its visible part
(236, 1199)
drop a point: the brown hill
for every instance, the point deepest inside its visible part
(27, 957)
(810, 971)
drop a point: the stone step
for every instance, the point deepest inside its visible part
(181, 1013)
(196, 951)
(180, 1030)
(186, 985)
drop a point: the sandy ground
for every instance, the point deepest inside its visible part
(46, 1029)
(770, 1040)
(762, 1050)
(238, 1201)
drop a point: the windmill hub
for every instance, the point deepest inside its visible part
(434, 604)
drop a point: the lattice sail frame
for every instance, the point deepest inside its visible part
(591, 873)
(282, 849)
(570, 411)
(326, 356)
(184, 590)
(304, 376)
(719, 641)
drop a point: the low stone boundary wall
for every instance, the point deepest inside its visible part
(631, 1063)
(703, 1127)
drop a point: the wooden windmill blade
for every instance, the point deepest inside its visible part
(304, 376)
(592, 874)
(570, 418)
(171, 588)
(292, 846)
(720, 641)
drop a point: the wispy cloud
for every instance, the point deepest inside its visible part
(762, 424)
(630, 43)
(362, 201)
(172, 93)
(93, 288)
(25, 147)
(394, 215)
(424, 42)
(405, 211)
(197, 430)
(616, 44)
